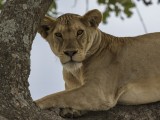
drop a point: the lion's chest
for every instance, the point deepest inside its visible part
(78, 74)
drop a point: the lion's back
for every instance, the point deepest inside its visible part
(141, 58)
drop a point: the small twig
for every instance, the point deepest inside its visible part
(141, 19)
(87, 5)
(147, 2)
(75, 3)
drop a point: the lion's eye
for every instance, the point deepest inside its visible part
(58, 35)
(79, 32)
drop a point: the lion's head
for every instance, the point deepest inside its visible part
(71, 37)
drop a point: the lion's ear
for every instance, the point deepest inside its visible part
(46, 26)
(92, 18)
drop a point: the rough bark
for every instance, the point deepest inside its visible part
(18, 23)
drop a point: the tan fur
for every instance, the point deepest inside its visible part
(107, 69)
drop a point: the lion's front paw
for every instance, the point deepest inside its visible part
(70, 113)
(40, 104)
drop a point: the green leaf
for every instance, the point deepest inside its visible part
(102, 1)
(117, 10)
(53, 5)
(106, 14)
(110, 8)
(128, 4)
(128, 12)
(112, 2)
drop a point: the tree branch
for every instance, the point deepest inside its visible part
(87, 5)
(141, 18)
(75, 3)
(147, 3)
(2, 118)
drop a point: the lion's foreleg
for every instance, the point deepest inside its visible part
(82, 98)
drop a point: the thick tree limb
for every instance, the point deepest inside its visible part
(18, 25)
(2, 118)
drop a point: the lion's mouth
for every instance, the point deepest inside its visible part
(72, 62)
(72, 65)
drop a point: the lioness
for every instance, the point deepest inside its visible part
(100, 70)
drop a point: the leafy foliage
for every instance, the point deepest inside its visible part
(121, 8)
(52, 9)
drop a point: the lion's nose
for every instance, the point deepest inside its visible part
(70, 53)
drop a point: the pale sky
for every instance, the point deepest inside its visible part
(46, 71)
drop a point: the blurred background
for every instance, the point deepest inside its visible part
(121, 18)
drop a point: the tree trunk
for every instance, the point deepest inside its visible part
(18, 24)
